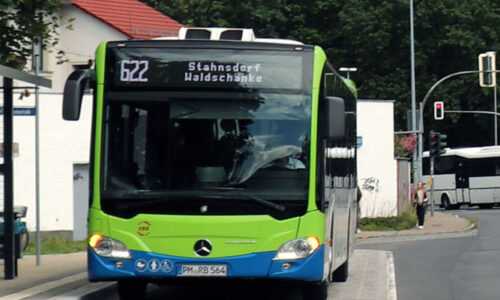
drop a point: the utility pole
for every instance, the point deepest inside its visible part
(495, 124)
(38, 243)
(416, 165)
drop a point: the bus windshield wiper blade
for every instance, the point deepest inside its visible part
(143, 198)
(152, 199)
(264, 202)
(140, 203)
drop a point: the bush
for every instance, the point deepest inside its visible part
(406, 221)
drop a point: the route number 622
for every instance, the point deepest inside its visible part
(133, 70)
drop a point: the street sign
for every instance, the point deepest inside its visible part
(410, 119)
(359, 141)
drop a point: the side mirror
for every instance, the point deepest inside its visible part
(73, 94)
(335, 118)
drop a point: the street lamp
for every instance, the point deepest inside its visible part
(348, 69)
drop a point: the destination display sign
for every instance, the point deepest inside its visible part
(203, 68)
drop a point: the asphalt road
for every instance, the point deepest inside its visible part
(222, 291)
(459, 268)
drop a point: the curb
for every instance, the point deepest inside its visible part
(467, 232)
(99, 290)
(44, 287)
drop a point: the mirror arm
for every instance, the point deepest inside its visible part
(73, 94)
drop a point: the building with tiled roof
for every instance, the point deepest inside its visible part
(94, 21)
(131, 17)
(64, 146)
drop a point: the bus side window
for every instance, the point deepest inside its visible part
(480, 167)
(445, 165)
(426, 166)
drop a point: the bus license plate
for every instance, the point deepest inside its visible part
(203, 270)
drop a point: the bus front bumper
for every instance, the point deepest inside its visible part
(145, 265)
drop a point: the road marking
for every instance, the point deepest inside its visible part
(392, 293)
(46, 286)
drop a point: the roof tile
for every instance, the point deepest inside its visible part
(131, 17)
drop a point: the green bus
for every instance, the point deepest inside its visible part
(216, 154)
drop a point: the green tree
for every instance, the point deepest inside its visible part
(23, 22)
(449, 35)
(374, 37)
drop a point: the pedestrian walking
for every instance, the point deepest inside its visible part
(420, 201)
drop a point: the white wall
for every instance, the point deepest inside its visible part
(62, 143)
(377, 168)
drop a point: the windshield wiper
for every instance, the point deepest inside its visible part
(264, 202)
(141, 203)
(143, 198)
(153, 199)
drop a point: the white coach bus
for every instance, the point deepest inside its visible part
(465, 176)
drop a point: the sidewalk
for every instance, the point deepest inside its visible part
(441, 225)
(53, 268)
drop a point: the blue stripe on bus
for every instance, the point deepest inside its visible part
(256, 265)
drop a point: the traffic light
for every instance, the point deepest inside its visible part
(487, 66)
(437, 143)
(438, 110)
(433, 144)
(442, 143)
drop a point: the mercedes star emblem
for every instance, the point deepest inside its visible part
(202, 247)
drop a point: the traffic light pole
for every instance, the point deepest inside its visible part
(448, 77)
(472, 112)
(495, 107)
(420, 142)
(432, 186)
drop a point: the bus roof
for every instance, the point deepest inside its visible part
(471, 152)
(219, 33)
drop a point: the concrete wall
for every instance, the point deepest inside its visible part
(377, 168)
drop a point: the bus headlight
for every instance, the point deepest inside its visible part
(297, 249)
(108, 247)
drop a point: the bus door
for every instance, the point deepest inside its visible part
(462, 183)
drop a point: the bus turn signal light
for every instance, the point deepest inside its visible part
(94, 239)
(108, 247)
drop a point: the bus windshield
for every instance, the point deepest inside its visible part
(161, 142)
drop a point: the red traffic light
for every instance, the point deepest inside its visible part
(438, 110)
